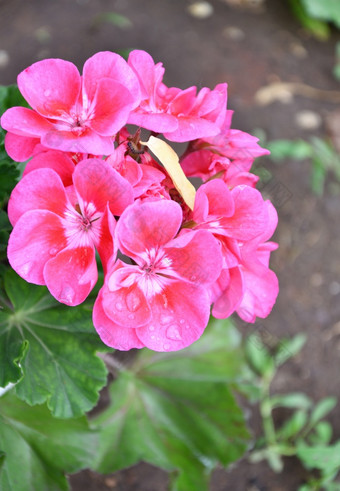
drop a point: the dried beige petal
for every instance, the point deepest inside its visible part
(169, 158)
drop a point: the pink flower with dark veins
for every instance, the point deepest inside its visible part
(70, 112)
(161, 300)
(57, 230)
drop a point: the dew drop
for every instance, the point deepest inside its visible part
(181, 321)
(24, 270)
(119, 306)
(53, 251)
(133, 302)
(173, 333)
(193, 278)
(131, 316)
(152, 336)
(47, 92)
(166, 319)
(67, 295)
(166, 347)
(151, 328)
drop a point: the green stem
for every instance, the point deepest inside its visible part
(266, 414)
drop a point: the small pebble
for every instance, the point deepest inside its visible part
(308, 120)
(334, 288)
(201, 10)
(316, 279)
(4, 58)
(234, 33)
(298, 50)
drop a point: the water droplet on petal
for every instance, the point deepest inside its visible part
(152, 336)
(53, 251)
(166, 347)
(133, 302)
(166, 319)
(24, 270)
(181, 321)
(47, 92)
(67, 295)
(131, 316)
(119, 306)
(193, 278)
(151, 328)
(173, 333)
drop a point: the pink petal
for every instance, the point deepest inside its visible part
(179, 317)
(37, 236)
(159, 122)
(50, 86)
(113, 103)
(183, 102)
(25, 122)
(251, 216)
(20, 148)
(110, 65)
(147, 225)
(97, 182)
(126, 306)
(195, 257)
(71, 275)
(88, 142)
(260, 295)
(40, 189)
(191, 128)
(149, 74)
(231, 293)
(61, 163)
(217, 196)
(106, 246)
(112, 334)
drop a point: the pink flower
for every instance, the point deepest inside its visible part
(69, 112)
(241, 221)
(161, 300)
(261, 285)
(230, 154)
(181, 115)
(145, 179)
(56, 231)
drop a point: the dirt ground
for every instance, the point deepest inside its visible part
(249, 48)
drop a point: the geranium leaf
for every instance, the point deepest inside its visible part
(49, 348)
(36, 449)
(176, 410)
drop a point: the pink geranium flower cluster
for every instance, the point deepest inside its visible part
(91, 188)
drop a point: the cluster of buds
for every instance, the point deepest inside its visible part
(171, 255)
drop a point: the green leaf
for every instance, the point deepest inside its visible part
(288, 348)
(9, 178)
(294, 400)
(322, 409)
(318, 28)
(322, 434)
(293, 149)
(325, 458)
(37, 449)
(10, 96)
(327, 10)
(175, 410)
(49, 349)
(113, 18)
(258, 357)
(293, 425)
